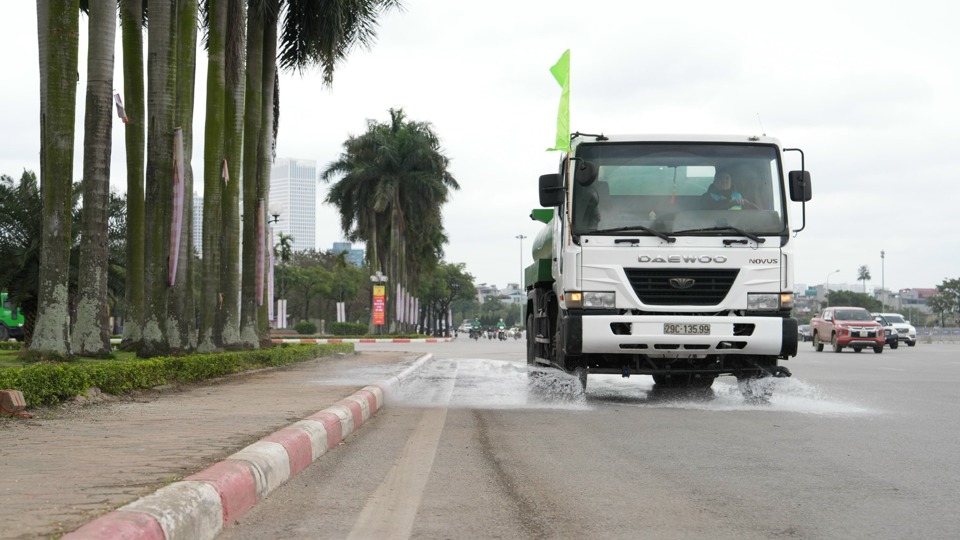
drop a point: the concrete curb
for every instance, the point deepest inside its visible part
(199, 506)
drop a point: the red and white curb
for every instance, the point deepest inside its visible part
(198, 507)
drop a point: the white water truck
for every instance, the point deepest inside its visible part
(644, 268)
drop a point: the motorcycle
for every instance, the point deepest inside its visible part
(475, 334)
(501, 335)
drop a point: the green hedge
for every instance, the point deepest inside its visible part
(11, 345)
(47, 384)
(348, 329)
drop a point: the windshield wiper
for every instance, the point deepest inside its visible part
(740, 232)
(634, 228)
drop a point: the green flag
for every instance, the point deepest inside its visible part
(561, 72)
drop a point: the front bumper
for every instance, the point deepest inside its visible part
(645, 334)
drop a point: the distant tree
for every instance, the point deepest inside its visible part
(863, 274)
(855, 299)
(947, 299)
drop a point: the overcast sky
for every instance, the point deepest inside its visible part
(869, 90)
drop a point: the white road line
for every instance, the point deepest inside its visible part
(390, 511)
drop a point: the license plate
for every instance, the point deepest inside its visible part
(686, 329)
(863, 333)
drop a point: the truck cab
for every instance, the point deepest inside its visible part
(666, 255)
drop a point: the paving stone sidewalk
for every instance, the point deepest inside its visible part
(69, 464)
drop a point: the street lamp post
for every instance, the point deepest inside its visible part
(520, 237)
(281, 314)
(883, 287)
(827, 295)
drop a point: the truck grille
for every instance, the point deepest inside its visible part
(654, 287)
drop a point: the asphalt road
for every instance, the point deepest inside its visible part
(855, 445)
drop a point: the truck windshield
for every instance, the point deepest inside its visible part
(689, 188)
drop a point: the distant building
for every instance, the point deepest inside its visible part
(293, 190)
(354, 256)
(198, 224)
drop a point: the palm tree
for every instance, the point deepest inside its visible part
(181, 325)
(58, 29)
(131, 20)
(213, 169)
(313, 33)
(91, 336)
(161, 104)
(233, 153)
(863, 274)
(395, 181)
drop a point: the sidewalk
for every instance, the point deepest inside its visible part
(68, 465)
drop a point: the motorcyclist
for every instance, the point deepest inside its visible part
(476, 329)
(501, 328)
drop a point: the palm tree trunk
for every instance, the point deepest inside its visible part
(131, 19)
(91, 335)
(265, 146)
(181, 325)
(161, 94)
(230, 203)
(213, 156)
(58, 29)
(249, 329)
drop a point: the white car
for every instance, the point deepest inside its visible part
(907, 333)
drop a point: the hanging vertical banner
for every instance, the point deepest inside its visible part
(260, 257)
(379, 305)
(561, 72)
(176, 218)
(270, 282)
(121, 112)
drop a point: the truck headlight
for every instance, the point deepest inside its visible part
(589, 299)
(763, 301)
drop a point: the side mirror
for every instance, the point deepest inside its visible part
(585, 172)
(551, 190)
(800, 189)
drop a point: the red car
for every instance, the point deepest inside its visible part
(852, 327)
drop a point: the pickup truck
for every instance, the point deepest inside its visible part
(852, 327)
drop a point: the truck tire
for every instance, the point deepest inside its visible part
(4, 333)
(817, 344)
(895, 344)
(911, 343)
(878, 349)
(835, 343)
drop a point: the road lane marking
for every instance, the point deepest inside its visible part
(390, 511)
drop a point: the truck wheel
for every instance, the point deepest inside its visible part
(4, 333)
(878, 349)
(895, 344)
(911, 343)
(835, 343)
(817, 344)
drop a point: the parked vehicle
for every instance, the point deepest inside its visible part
(906, 333)
(852, 327)
(803, 332)
(11, 320)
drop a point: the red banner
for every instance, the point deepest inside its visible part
(379, 305)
